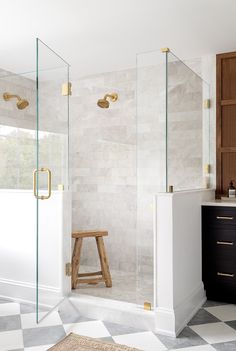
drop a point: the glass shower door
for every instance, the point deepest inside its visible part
(51, 179)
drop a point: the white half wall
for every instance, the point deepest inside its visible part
(18, 246)
(180, 291)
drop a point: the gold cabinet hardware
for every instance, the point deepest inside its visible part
(225, 274)
(230, 243)
(171, 189)
(42, 197)
(225, 217)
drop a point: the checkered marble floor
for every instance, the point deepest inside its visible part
(212, 328)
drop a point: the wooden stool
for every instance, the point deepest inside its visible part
(104, 274)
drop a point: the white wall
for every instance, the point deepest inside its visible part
(18, 246)
(178, 258)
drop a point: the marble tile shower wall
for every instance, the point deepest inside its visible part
(185, 126)
(103, 161)
(118, 156)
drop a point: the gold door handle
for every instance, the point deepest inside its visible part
(42, 197)
(225, 274)
(225, 217)
(230, 243)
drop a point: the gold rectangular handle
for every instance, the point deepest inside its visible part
(225, 274)
(225, 217)
(42, 197)
(230, 243)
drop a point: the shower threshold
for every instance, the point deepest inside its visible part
(114, 311)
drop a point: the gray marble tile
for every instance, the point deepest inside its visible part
(186, 338)
(70, 314)
(3, 300)
(203, 317)
(10, 323)
(232, 324)
(43, 336)
(225, 346)
(118, 329)
(30, 308)
(210, 303)
(27, 308)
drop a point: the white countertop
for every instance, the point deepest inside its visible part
(229, 203)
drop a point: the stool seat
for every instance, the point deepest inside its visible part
(104, 274)
(89, 233)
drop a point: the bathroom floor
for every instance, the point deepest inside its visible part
(125, 287)
(212, 328)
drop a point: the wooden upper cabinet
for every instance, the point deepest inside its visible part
(225, 121)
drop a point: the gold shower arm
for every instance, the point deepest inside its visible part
(8, 96)
(113, 96)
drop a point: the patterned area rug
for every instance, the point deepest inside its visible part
(74, 342)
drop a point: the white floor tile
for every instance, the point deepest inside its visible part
(9, 309)
(38, 348)
(224, 313)
(11, 340)
(93, 329)
(196, 348)
(215, 332)
(145, 341)
(28, 320)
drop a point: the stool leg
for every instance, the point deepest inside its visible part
(75, 262)
(104, 262)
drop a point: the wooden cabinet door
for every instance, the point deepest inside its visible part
(225, 121)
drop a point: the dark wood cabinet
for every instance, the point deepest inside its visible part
(225, 121)
(219, 252)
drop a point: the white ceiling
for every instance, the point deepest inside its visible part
(104, 35)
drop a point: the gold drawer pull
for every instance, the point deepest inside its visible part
(225, 274)
(225, 217)
(230, 243)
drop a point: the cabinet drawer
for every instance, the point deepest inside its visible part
(218, 243)
(221, 272)
(218, 216)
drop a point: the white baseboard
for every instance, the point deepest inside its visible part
(26, 292)
(185, 311)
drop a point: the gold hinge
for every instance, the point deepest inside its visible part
(207, 169)
(165, 50)
(147, 306)
(66, 89)
(68, 269)
(171, 189)
(60, 187)
(207, 103)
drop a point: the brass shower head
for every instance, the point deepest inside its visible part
(21, 103)
(104, 103)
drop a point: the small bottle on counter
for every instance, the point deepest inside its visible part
(231, 190)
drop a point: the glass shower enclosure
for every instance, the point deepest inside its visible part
(153, 139)
(34, 182)
(173, 144)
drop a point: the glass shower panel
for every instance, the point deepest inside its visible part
(17, 203)
(188, 151)
(151, 165)
(51, 180)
